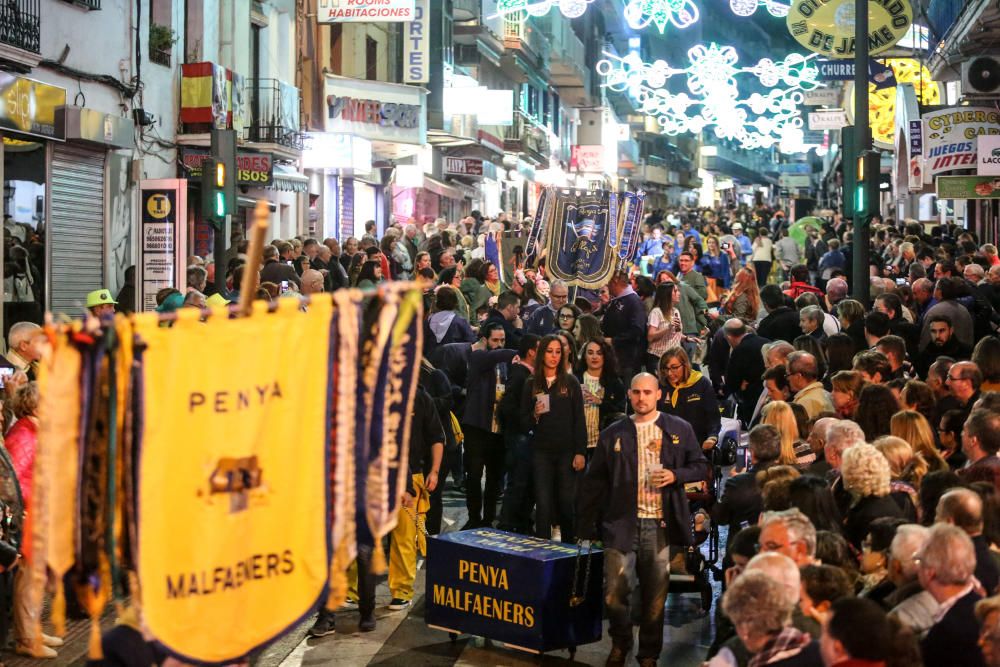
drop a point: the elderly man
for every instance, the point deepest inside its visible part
(964, 380)
(964, 508)
(980, 443)
(910, 603)
(542, 321)
(790, 533)
(741, 500)
(836, 291)
(817, 441)
(745, 368)
(24, 348)
(803, 378)
(312, 282)
(632, 497)
(946, 566)
(840, 437)
(811, 322)
(624, 324)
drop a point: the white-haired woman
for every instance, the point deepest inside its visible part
(867, 476)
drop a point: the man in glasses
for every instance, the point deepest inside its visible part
(542, 321)
(980, 443)
(790, 533)
(963, 381)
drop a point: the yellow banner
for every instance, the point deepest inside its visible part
(827, 27)
(233, 476)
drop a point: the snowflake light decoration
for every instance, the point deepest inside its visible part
(746, 8)
(571, 9)
(712, 77)
(680, 13)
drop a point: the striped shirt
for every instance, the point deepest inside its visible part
(659, 321)
(592, 413)
(649, 441)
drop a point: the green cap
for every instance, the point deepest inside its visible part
(99, 297)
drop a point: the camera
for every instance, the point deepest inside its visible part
(725, 246)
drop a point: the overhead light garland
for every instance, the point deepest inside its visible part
(680, 13)
(571, 9)
(746, 8)
(712, 78)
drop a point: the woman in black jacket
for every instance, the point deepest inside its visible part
(689, 395)
(552, 409)
(603, 391)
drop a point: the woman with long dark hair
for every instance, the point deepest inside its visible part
(552, 409)
(370, 275)
(876, 406)
(604, 394)
(664, 327)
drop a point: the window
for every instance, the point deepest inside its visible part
(336, 48)
(371, 59)
(161, 31)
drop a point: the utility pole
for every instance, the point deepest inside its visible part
(861, 243)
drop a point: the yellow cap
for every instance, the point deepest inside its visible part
(99, 297)
(217, 300)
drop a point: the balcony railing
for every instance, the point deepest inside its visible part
(275, 107)
(88, 4)
(527, 137)
(20, 25)
(521, 33)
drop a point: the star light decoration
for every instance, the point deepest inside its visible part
(681, 13)
(759, 120)
(747, 8)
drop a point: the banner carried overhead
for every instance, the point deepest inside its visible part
(827, 28)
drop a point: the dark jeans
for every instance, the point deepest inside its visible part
(450, 462)
(762, 269)
(519, 494)
(555, 491)
(649, 562)
(484, 451)
(366, 585)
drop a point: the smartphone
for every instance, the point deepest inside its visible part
(901, 281)
(4, 374)
(543, 401)
(284, 286)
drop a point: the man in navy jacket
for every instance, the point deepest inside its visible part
(624, 325)
(618, 503)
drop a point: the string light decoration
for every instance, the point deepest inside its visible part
(747, 8)
(713, 97)
(639, 14)
(571, 9)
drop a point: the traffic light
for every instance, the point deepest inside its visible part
(214, 200)
(866, 191)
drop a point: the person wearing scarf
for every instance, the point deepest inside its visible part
(689, 395)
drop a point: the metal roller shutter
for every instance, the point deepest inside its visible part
(76, 226)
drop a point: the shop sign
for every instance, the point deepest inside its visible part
(794, 180)
(337, 151)
(416, 45)
(162, 243)
(375, 110)
(827, 120)
(827, 28)
(916, 137)
(368, 11)
(462, 166)
(950, 137)
(29, 107)
(587, 159)
(252, 169)
(968, 187)
(989, 155)
(822, 97)
(795, 168)
(843, 70)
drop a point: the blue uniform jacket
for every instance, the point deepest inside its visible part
(607, 503)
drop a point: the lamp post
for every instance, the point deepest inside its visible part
(861, 242)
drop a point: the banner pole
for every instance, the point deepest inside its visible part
(251, 272)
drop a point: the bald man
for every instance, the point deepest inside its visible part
(632, 498)
(312, 282)
(964, 508)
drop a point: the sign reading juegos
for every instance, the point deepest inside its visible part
(826, 27)
(338, 11)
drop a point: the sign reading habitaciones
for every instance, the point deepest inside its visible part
(826, 27)
(343, 11)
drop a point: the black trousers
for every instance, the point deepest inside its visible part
(366, 585)
(555, 490)
(519, 495)
(484, 453)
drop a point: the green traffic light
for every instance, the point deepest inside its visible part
(859, 200)
(220, 205)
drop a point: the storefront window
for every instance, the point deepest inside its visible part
(24, 232)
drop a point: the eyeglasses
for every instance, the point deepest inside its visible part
(953, 379)
(674, 367)
(571, 316)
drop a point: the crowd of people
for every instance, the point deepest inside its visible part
(863, 526)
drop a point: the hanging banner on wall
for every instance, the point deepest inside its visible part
(417, 45)
(950, 137)
(244, 545)
(368, 11)
(163, 237)
(827, 28)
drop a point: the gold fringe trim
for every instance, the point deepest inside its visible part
(59, 609)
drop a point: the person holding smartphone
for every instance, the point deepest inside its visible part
(552, 410)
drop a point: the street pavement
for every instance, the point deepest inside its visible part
(402, 639)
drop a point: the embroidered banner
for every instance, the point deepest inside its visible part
(233, 476)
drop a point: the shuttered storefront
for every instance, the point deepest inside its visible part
(76, 226)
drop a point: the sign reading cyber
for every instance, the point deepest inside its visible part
(826, 27)
(513, 588)
(950, 137)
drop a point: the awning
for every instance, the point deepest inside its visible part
(443, 189)
(287, 179)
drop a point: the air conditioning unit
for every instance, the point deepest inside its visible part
(981, 77)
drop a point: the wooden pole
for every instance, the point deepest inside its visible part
(255, 254)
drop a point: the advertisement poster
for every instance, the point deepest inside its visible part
(989, 155)
(162, 238)
(968, 187)
(950, 137)
(828, 28)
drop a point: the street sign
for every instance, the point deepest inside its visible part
(989, 155)
(968, 187)
(822, 97)
(827, 120)
(843, 70)
(459, 166)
